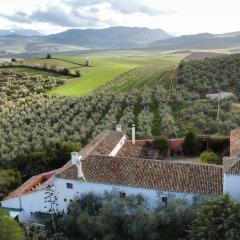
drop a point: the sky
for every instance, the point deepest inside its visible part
(178, 17)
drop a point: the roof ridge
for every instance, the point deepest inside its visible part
(96, 144)
(233, 164)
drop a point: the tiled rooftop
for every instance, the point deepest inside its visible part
(128, 169)
(150, 174)
(231, 165)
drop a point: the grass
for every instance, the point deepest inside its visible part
(107, 66)
(92, 78)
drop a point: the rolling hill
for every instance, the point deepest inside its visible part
(113, 37)
(21, 32)
(79, 39)
(199, 41)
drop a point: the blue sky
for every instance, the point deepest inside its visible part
(174, 16)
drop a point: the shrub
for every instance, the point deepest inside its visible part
(9, 179)
(88, 63)
(48, 56)
(191, 144)
(78, 73)
(66, 71)
(209, 157)
(113, 217)
(9, 228)
(161, 143)
(217, 219)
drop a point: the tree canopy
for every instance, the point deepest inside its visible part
(9, 228)
(217, 219)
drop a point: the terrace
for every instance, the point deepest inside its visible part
(145, 149)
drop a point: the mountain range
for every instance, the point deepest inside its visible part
(28, 41)
(21, 32)
(199, 41)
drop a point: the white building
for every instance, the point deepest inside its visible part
(108, 162)
(221, 95)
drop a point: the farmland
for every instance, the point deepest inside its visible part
(106, 67)
(151, 91)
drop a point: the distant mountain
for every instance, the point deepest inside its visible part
(21, 32)
(113, 37)
(199, 41)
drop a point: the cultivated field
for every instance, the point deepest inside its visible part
(106, 67)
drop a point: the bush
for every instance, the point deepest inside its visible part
(110, 216)
(161, 143)
(210, 157)
(66, 71)
(48, 56)
(54, 156)
(9, 228)
(88, 63)
(217, 219)
(78, 73)
(191, 144)
(9, 179)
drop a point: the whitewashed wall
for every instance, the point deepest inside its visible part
(29, 203)
(232, 185)
(80, 187)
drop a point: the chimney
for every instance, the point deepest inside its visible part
(76, 160)
(133, 134)
(118, 128)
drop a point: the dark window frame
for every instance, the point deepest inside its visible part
(69, 185)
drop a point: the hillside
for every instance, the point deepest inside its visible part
(199, 41)
(209, 75)
(114, 37)
(21, 32)
(78, 39)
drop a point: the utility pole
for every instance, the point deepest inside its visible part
(219, 103)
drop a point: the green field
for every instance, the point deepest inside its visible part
(106, 67)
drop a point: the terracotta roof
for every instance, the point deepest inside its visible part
(130, 150)
(231, 165)
(33, 184)
(150, 174)
(103, 144)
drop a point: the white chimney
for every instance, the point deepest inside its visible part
(118, 128)
(76, 160)
(133, 134)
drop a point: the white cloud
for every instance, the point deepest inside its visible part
(182, 17)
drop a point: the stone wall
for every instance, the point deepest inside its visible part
(235, 143)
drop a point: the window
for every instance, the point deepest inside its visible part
(122, 195)
(70, 185)
(164, 199)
